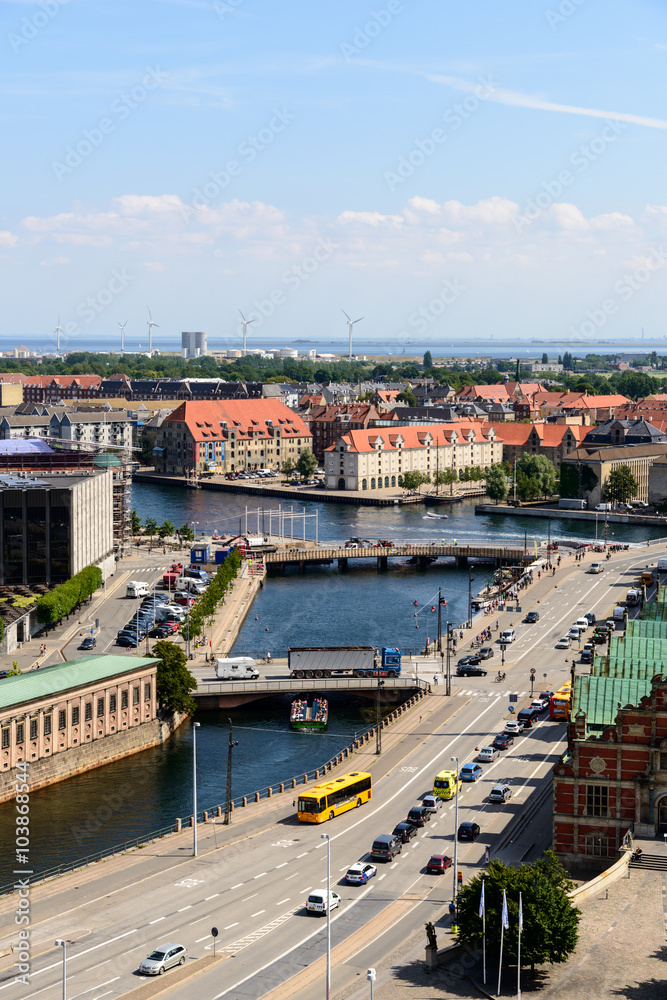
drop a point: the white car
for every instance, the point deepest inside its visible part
(488, 754)
(163, 958)
(582, 623)
(317, 901)
(563, 642)
(360, 873)
(596, 567)
(514, 727)
(540, 704)
(574, 633)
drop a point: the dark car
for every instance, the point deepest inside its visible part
(502, 741)
(599, 638)
(587, 655)
(406, 831)
(468, 831)
(486, 652)
(472, 660)
(547, 695)
(438, 863)
(418, 816)
(89, 642)
(527, 716)
(591, 618)
(532, 617)
(126, 640)
(469, 670)
(160, 632)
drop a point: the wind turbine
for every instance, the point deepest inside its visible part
(150, 324)
(245, 324)
(350, 324)
(122, 336)
(58, 330)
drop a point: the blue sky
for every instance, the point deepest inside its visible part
(449, 169)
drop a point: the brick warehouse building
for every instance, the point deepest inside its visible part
(613, 776)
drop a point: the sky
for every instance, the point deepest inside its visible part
(449, 170)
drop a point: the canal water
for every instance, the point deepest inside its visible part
(141, 794)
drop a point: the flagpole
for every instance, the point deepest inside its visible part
(504, 922)
(518, 966)
(483, 932)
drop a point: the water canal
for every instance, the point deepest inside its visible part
(319, 607)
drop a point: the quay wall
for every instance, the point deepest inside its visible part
(87, 756)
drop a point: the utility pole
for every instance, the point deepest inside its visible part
(378, 720)
(440, 619)
(469, 596)
(228, 802)
(449, 674)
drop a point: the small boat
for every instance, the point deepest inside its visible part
(439, 498)
(310, 712)
(439, 517)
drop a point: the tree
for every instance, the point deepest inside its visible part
(135, 522)
(186, 533)
(428, 360)
(569, 481)
(537, 475)
(288, 466)
(621, 485)
(150, 527)
(496, 483)
(413, 480)
(550, 919)
(545, 358)
(407, 396)
(174, 681)
(166, 530)
(306, 464)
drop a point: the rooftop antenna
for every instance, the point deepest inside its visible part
(122, 336)
(150, 324)
(350, 324)
(58, 330)
(245, 324)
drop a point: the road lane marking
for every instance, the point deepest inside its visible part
(304, 890)
(282, 865)
(71, 958)
(206, 898)
(250, 897)
(93, 988)
(283, 901)
(199, 940)
(229, 926)
(157, 921)
(237, 886)
(198, 920)
(296, 875)
(257, 914)
(301, 855)
(188, 907)
(261, 875)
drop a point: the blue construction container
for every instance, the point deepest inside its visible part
(200, 553)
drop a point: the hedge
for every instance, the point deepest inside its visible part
(62, 600)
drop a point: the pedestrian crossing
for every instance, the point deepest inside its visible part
(481, 691)
(149, 570)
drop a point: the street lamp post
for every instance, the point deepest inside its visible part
(440, 619)
(370, 976)
(63, 944)
(456, 828)
(469, 596)
(325, 836)
(195, 727)
(449, 668)
(228, 801)
(378, 720)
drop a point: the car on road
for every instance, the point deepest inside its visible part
(540, 704)
(532, 617)
(470, 670)
(599, 636)
(418, 816)
(500, 793)
(88, 643)
(587, 654)
(438, 864)
(595, 567)
(591, 618)
(563, 642)
(468, 831)
(582, 624)
(514, 727)
(432, 803)
(488, 754)
(470, 772)
(502, 741)
(486, 652)
(317, 901)
(546, 696)
(127, 640)
(163, 958)
(472, 660)
(574, 633)
(360, 873)
(405, 831)
(527, 716)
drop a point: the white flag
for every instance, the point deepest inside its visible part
(520, 914)
(505, 918)
(481, 901)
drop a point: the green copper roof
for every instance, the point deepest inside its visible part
(53, 681)
(647, 629)
(638, 648)
(599, 698)
(654, 611)
(606, 666)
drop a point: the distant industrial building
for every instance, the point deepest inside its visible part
(193, 345)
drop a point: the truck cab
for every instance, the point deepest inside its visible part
(391, 661)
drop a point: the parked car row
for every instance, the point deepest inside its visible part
(155, 617)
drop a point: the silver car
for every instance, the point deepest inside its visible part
(163, 958)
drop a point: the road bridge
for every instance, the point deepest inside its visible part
(418, 554)
(212, 693)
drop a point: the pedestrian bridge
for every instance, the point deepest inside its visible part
(418, 554)
(213, 693)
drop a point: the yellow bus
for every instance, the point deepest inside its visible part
(444, 784)
(323, 802)
(559, 707)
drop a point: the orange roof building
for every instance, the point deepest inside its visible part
(554, 441)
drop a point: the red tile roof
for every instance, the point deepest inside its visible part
(261, 417)
(415, 436)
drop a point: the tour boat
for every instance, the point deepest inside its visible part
(309, 712)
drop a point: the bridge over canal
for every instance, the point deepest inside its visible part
(422, 555)
(212, 693)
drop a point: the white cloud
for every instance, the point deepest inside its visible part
(612, 220)
(370, 218)
(568, 216)
(7, 239)
(154, 265)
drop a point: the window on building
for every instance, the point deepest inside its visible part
(100, 708)
(112, 703)
(135, 696)
(5, 738)
(75, 715)
(124, 701)
(47, 725)
(19, 732)
(597, 800)
(597, 845)
(33, 729)
(147, 692)
(62, 720)
(88, 711)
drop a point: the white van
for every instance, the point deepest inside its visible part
(507, 636)
(619, 613)
(136, 588)
(188, 585)
(170, 611)
(237, 668)
(604, 506)
(662, 565)
(597, 567)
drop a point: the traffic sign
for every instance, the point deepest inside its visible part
(532, 671)
(511, 708)
(514, 697)
(214, 934)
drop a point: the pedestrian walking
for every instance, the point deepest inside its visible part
(452, 913)
(435, 678)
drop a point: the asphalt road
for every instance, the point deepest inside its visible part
(255, 890)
